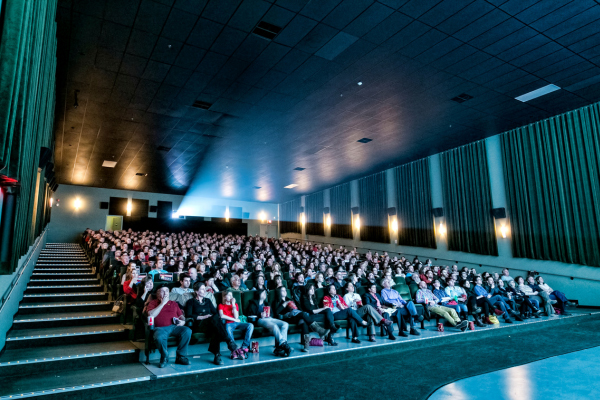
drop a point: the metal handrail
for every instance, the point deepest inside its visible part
(20, 272)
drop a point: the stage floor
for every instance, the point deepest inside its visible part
(572, 376)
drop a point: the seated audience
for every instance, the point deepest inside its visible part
(365, 311)
(403, 309)
(429, 300)
(322, 315)
(230, 312)
(263, 318)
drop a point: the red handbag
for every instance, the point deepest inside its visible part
(316, 342)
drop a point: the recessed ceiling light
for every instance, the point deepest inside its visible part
(293, 185)
(364, 140)
(202, 104)
(141, 174)
(534, 94)
(359, 83)
(257, 187)
(109, 164)
(299, 169)
(461, 98)
(266, 30)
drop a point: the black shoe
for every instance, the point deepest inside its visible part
(355, 340)
(163, 362)
(476, 310)
(508, 320)
(287, 350)
(414, 332)
(566, 313)
(330, 341)
(182, 360)
(372, 339)
(479, 323)
(279, 352)
(537, 315)
(524, 317)
(392, 337)
(334, 329)
(402, 334)
(517, 317)
(217, 360)
(462, 325)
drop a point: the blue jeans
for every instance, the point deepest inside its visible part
(458, 307)
(499, 302)
(182, 333)
(243, 326)
(560, 298)
(408, 311)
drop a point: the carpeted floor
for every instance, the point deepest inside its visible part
(398, 374)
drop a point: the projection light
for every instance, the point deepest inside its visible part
(77, 203)
(328, 221)
(442, 229)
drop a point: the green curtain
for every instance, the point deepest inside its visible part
(468, 200)
(27, 98)
(314, 214)
(415, 221)
(340, 210)
(289, 221)
(373, 208)
(552, 177)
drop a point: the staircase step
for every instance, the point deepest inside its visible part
(64, 281)
(62, 270)
(59, 275)
(18, 362)
(55, 320)
(72, 382)
(25, 338)
(58, 297)
(74, 288)
(70, 306)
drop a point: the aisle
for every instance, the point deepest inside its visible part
(572, 376)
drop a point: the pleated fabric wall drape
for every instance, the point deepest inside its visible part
(468, 200)
(415, 220)
(290, 215)
(373, 208)
(552, 177)
(27, 99)
(340, 211)
(313, 205)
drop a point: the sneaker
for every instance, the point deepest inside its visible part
(414, 332)
(464, 328)
(217, 360)
(571, 304)
(355, 340)
(182, 360)
(552, 302)
(462, 325)
(163, 362)
(235, 355)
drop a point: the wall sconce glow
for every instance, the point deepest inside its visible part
(442, 229)
(175, 214)
(77, 203)
(357, 222)
(227, 214)
(302, 219)
(504, 231)
(262, 216)
(328, 221)
(395, 225)
(129, 208)
(51, 201)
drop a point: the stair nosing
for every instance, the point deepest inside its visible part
(45, 305)
(33, 337)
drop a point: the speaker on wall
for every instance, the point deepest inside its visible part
(391, 211)
(45, 154)
(355, 210)
(301, 209)
(499, 212)
(49, 173)
(153, 208)
(104, 205)
(438, 212)
(326, 210)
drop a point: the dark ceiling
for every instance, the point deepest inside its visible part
(295, 101)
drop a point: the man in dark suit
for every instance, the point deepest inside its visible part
(373, 299)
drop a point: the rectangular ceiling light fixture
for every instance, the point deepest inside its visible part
(141, 174)
(109, 164)
(202, 104)
(461, 98)
(537, 93)
(257, 187)
(163, 148)
(364, 140)
(299, 169)
(266, 30)
(293, 185)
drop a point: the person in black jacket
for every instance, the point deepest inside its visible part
(319, 314)
(204, 316)
(277, 327)
(286, 309)
(373, 299)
